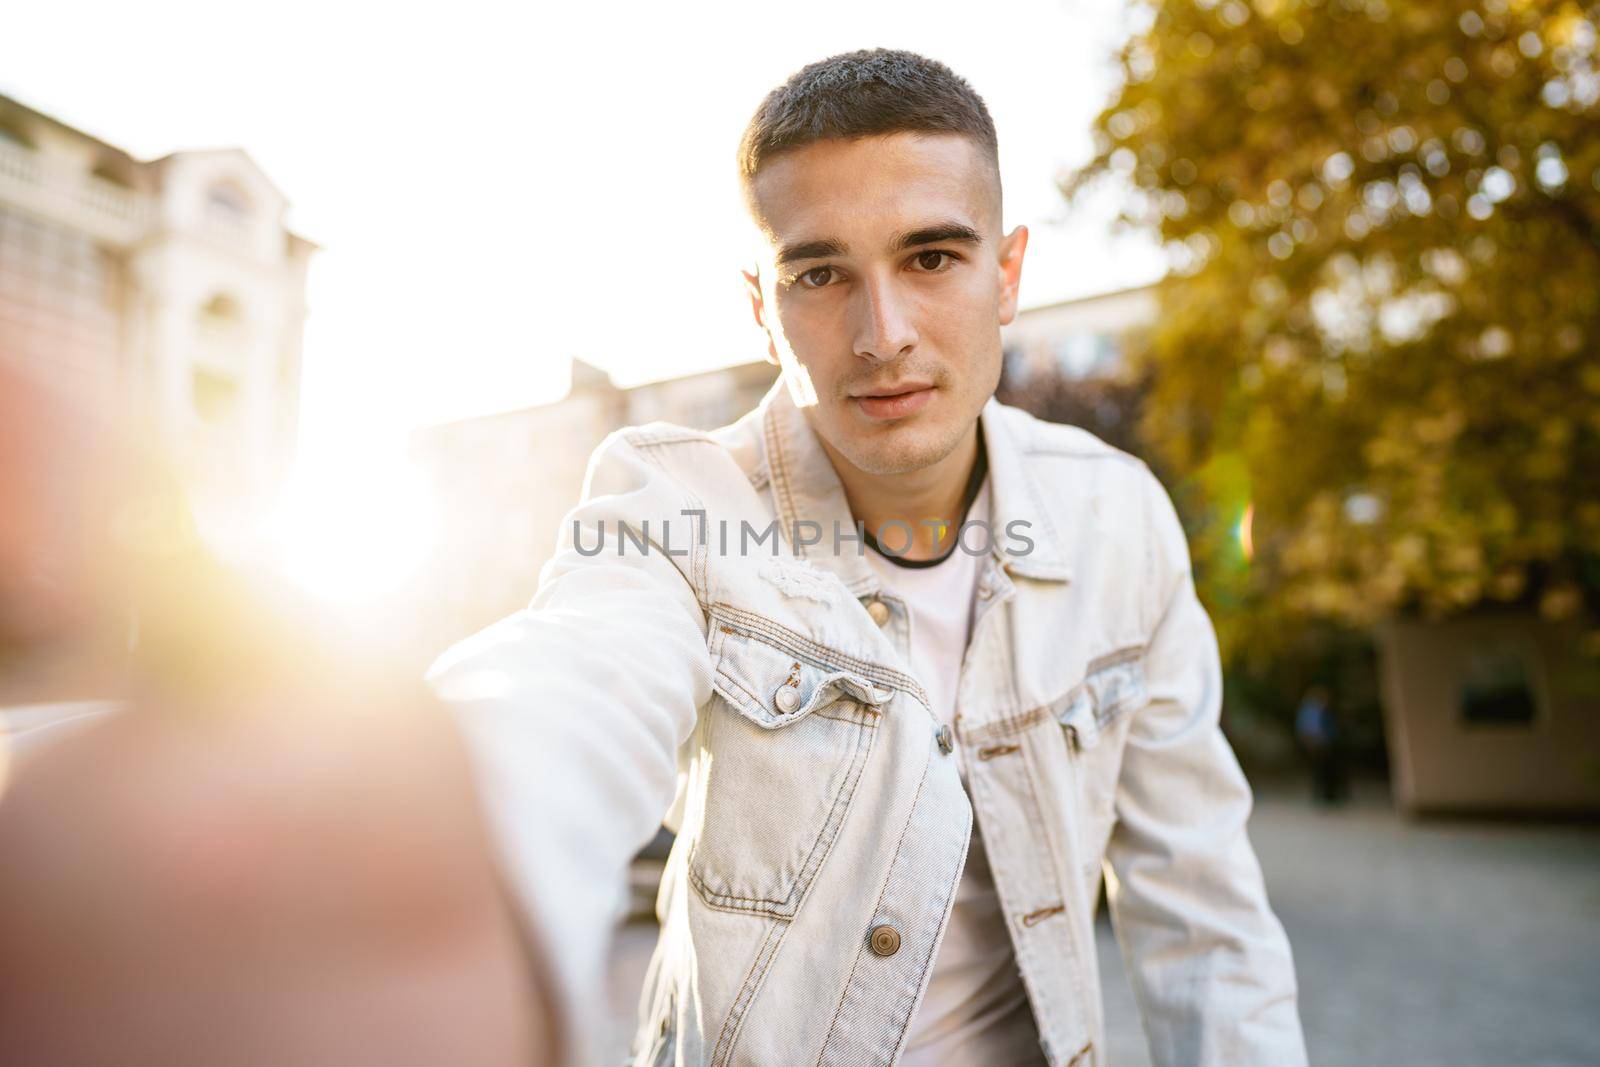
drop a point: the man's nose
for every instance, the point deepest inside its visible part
(883, 328)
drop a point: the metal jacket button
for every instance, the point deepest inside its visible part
(879, 611)
(885, 940)
(946, 739)
(787, 698)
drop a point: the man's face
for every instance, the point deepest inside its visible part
(883, 289)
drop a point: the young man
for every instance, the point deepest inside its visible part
(907, 666)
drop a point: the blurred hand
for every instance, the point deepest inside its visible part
(299, 879)
(272, 855)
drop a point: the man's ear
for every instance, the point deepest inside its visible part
(1012, 246)
(758, 308)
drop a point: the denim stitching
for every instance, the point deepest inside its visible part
(1015, 724)
(1022, 946)
(927, 963)
(1077, 950)
(724, 676)
(736, 1010)
(792, 643)
(830, 827)
(802, 647)
(1082, 954)
(1129, 697)
(1011, 724)
(697, 551)
(869, 720)
(869, 715)
(780, 477)
(847, 789)
(819, 848)
(1112, 659)
(1001, 658)
(877, 909)
(646, 447)
(1031, 482)
(733, 680)
(677, 436)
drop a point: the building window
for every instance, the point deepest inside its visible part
(228, 201)
(215, 396)
(1495, 690)
(221, 312)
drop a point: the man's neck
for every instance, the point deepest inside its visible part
(915, 498)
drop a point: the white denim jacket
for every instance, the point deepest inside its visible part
(764, 703)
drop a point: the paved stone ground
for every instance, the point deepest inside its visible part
(1418, 943)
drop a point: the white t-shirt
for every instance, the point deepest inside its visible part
(975, 1012)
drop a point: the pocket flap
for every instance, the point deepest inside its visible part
(1075, 712)
(1113, 685)
(1118, 685)
(772, 688)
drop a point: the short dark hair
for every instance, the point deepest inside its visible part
(858, 94)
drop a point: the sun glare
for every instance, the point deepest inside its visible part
(354, 532)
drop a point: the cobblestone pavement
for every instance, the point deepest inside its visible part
(1418, 943)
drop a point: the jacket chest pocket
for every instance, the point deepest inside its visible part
(785, 748)
(1095, 716)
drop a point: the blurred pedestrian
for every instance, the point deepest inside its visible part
(1317, 726)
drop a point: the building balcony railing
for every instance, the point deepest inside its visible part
(106, 210)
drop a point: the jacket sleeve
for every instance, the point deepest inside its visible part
(1209, 962)
(573, 710)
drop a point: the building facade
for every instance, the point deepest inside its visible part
(1076, 339)
(167, 290)
(1491, 712)
(501, 483)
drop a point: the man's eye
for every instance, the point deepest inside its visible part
(815, 278)
(933, 261)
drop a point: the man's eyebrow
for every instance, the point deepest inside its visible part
(811, 250)
(937, 234)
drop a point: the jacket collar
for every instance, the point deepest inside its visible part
(805, 487)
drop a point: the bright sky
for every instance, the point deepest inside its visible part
(498, 190)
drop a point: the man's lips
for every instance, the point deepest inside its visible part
(894, 405)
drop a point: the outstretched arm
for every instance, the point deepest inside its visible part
(573, 710)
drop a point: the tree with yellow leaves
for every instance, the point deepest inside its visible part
(1377, 354)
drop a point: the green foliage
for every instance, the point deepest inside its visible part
(1380, 331)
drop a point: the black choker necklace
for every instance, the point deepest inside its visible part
(980, 467)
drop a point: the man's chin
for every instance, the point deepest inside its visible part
(896, 448)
